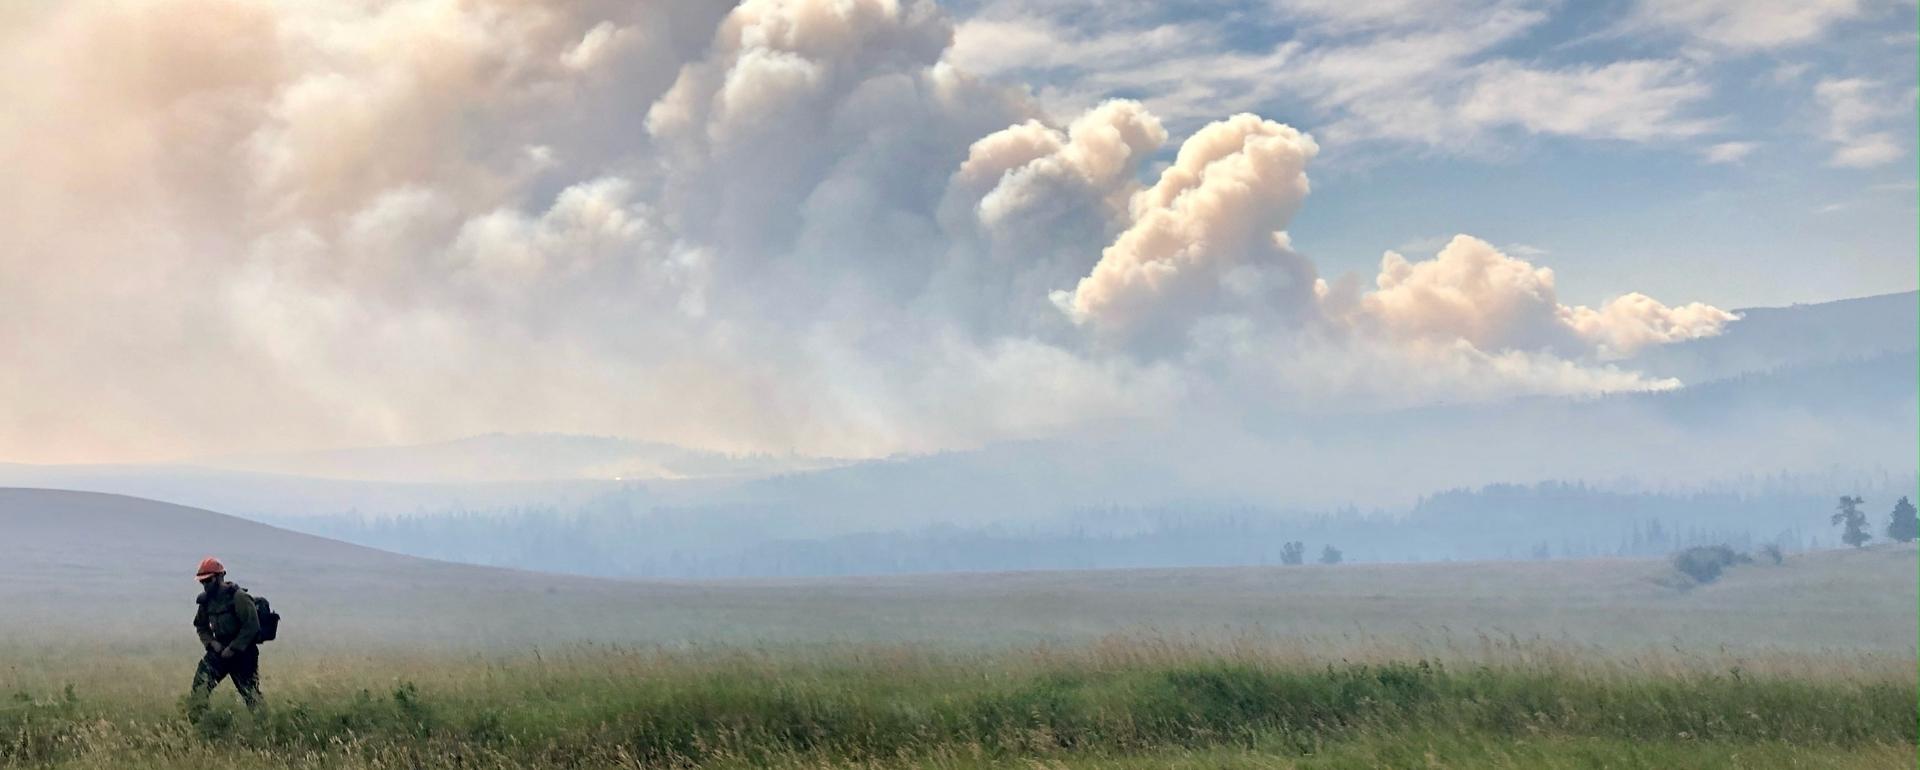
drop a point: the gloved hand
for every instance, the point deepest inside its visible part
(226, 652)
(213, 648)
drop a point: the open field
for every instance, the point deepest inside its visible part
(1124, 702)
(127, 560)
(388, 661)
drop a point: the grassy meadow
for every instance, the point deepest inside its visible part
(1119, 702)
(385, 661)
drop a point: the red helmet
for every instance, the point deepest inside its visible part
(209, 566)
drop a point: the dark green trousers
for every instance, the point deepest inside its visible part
(243, 668)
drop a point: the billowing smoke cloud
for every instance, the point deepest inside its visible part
(1021, 172)
(788, 225)
(1633, 321)
(1205, 238)
(1022, 208)
(815, 139)
(1472, 292)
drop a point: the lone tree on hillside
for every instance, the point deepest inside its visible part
(1293, 553)
(1855, 522)
(1330, 555)
(1904, 527)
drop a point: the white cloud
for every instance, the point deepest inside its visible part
(1421, 73)
(1868, 150)
(1856, 108)
(1345, 16)
(1184, 70)
(1747, 25)
(1402, 85)
(1628, 100)
(1729, 152)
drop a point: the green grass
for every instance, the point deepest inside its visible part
(1133, 703)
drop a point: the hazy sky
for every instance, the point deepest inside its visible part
(858, 227)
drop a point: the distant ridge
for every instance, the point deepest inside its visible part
(1770, 338)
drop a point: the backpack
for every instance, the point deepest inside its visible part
(269, 620)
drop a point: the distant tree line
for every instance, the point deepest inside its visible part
(624, 537)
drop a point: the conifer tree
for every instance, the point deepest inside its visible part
(1849, 516)
(1903, 527)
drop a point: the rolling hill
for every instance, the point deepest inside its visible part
(114, 567)
(87, 568)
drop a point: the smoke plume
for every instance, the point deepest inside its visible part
(788, 225)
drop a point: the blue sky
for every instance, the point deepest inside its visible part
(1737, 153)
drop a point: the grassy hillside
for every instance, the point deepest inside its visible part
(115, 570)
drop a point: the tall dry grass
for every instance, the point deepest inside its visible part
(1232, 700)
